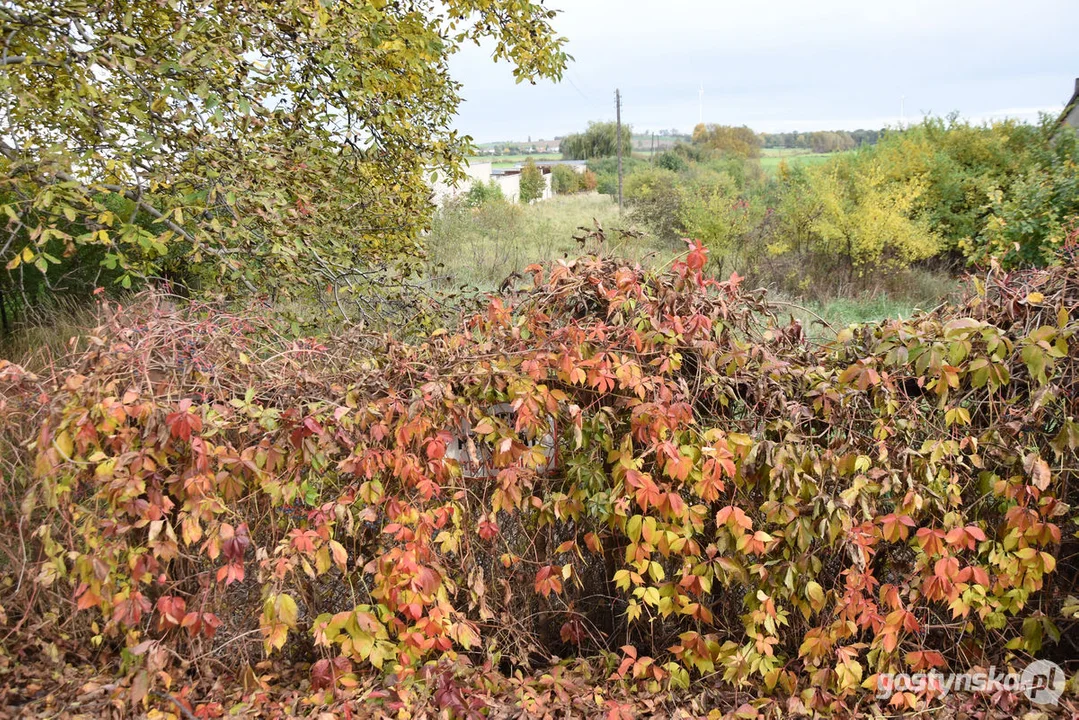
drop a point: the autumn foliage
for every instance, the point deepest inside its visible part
(647, 470)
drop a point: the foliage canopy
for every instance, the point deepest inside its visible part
(274, 144)
(738, 141)
(600, 140)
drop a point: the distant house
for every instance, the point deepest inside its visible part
(1070, 116)
(508, 179)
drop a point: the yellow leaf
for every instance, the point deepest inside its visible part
(1034, 298)
(64, 444)
(287, 612)
(277, 636)
(815, 593)
(322, 560)
(339, 555)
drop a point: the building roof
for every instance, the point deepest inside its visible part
(561, 162)
(1070, 104)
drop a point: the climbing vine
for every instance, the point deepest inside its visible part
(648, 469)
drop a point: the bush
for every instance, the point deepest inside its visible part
(836, 229)
(640, 468)
(589, 182)
(606, 170)
(719, 215)
(672, 161)
(1037, 213)
(655, 201)
(565, 180)
(482, 193)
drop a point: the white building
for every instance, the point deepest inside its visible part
(509, 179)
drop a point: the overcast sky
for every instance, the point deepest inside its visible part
(783, 65)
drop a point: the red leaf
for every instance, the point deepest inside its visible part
(547, 580)
(321, 675)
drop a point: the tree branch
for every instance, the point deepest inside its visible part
(136, 198)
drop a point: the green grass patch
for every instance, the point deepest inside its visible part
(913, 290)
(772, 157)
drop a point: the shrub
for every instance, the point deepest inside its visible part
(1036, 213)
(620, 462)
(565, 180)
(655, 201)
(482, 193)
(606, 170)
(589, 182)
(719, 215)
(868, 221)
(836, 227)
(672, 161)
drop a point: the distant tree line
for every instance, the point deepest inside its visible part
(822, 141)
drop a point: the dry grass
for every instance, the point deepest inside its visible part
(482, 246)
(48, 332)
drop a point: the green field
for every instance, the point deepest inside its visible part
(771, 157)
(504, 161)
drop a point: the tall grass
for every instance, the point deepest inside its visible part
(913, 290)
(482, 246)
(49, 331)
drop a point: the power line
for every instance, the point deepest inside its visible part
(579, 91)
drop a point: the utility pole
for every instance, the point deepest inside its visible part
(652, 155)
(618, 122)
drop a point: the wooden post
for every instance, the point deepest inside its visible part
(618, 122)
